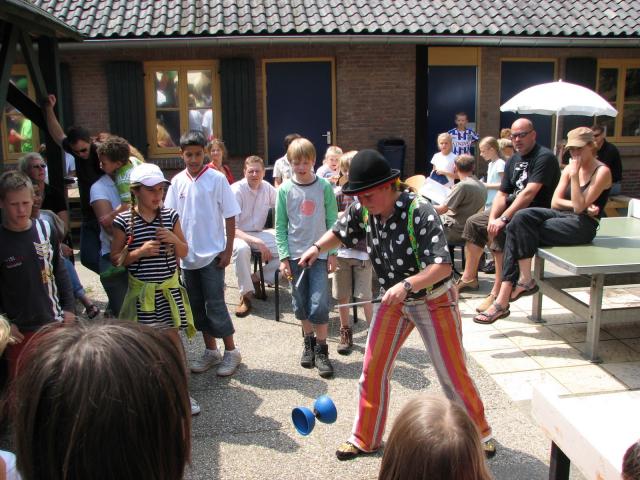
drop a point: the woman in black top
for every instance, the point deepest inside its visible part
(577, 205)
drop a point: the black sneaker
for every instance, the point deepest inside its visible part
(325, 369)
(307, 359)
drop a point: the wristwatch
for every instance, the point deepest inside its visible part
(505, 219)
(406, 284)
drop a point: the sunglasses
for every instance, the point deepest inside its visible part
(39, 165)
(515, 136)
(82, 150)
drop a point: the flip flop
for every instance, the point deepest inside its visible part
(489, 318)
(528, 289)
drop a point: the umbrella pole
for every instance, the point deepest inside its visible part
(555, 147)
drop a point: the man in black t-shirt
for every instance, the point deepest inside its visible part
(609, 155)
(530, 177)
(78, 143)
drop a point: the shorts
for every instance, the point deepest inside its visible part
(361, 278)
(475, 231)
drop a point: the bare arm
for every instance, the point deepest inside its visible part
(225, 255)
(103, 208)
(55, 130)
(495, 186)
(441, 209)
(328, 241)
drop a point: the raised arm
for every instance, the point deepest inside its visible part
(55, 130)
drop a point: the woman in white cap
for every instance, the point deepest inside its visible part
(577, 205)
(408, 251)
(148, 240)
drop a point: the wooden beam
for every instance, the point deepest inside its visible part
(26, 43)
(28, 107)
(49, 61)
(7, 57)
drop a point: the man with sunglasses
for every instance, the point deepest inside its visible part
(530, 177)
(609, 155)
(78, 143)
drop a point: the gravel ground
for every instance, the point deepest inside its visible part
(245, 431)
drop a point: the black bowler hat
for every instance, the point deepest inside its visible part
(368, 169)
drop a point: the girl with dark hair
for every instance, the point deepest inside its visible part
(102, 401)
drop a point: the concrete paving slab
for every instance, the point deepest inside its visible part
(586, 379)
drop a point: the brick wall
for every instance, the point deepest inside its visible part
(374, 89)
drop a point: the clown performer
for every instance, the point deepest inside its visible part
(409, 253)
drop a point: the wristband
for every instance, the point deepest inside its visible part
(317, 246)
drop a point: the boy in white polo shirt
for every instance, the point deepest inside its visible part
(207, 208)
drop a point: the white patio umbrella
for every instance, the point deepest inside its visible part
(559, 98)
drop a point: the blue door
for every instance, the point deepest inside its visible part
(450, 90)
(299, 100)
(515, 77)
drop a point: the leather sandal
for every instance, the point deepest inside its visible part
(463, 285)
(486, 318)
(486, 303)
(527, 289)
(348, 451)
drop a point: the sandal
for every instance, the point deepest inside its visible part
(486, 303)
(92, 312)
(489, 318)
(528, 289)
(348, 451)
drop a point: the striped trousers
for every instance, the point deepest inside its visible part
(438, 322)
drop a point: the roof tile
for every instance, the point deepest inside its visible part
(149, 18)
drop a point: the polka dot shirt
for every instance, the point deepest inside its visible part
(388, 242)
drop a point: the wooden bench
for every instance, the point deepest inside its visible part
(593, 432)
(615, 204)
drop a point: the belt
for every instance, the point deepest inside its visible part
(426, 291)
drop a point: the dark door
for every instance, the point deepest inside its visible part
(515, 77)
(299, 100)
(450, 90)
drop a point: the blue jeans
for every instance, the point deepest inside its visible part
(311, 299)
(205, 287)
(78, 289)
(115, 286)
(90, 245)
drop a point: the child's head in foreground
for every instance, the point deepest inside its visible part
(631, 463)
(433, 438)
(102, 401)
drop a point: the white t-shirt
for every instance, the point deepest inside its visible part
(282, 168)
(494, 169)
(202, 203)
(444, 162)
(254, 204)
(105, 189)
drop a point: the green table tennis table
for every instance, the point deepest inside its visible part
(613, 258)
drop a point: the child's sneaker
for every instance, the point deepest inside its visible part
(307, 358)
(346, 341)
(230, 362)
(210, 358)
(195, 407)
(325, 369)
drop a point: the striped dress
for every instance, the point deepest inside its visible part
(153, 269)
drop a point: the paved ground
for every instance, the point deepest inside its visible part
(245, 432)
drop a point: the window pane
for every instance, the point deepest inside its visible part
(609, 123)
(166, 83)
(202, 120)
(631, 121)
(167, 129)
(199, 85)
(632, 85)
(607, 83)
